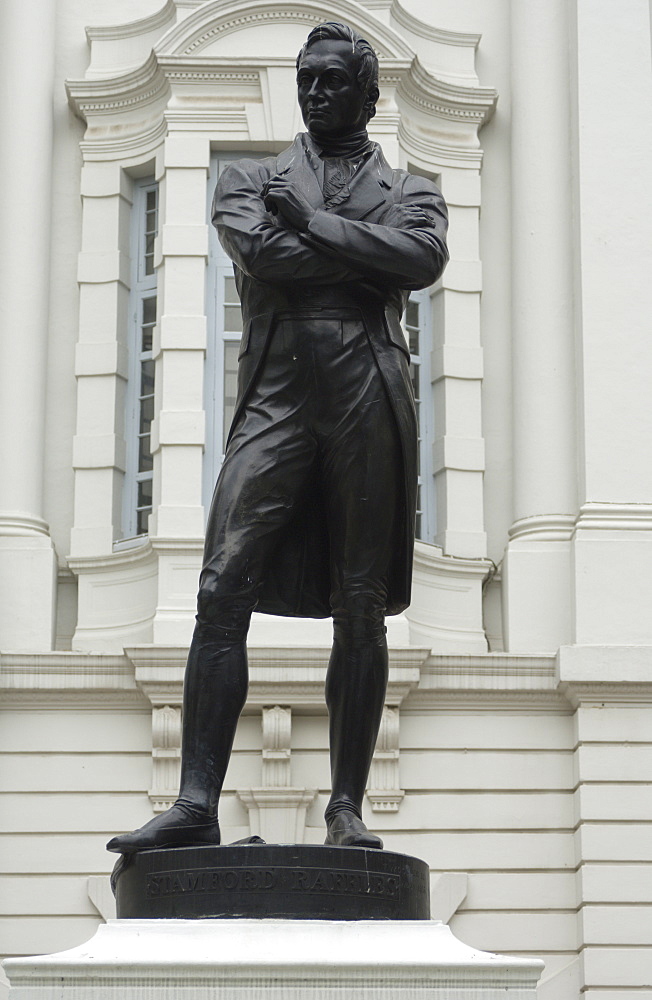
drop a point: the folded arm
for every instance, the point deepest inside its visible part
(406, 249)
(257, 243)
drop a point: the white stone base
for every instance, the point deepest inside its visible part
(273, 960)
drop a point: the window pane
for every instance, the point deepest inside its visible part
(414, 378)
(142, 519)
(145, 493)
(146, 413)
(145, 461)
(413, 338)
(149, 310)
(232, 319)
(230, 291)
(151, 200)
(145, 424)
(231, 348)
(412, 314)
(147, 329)
(147, 378)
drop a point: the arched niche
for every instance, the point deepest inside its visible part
(220, 75)
(263, 28)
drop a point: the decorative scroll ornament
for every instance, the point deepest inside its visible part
(166, 756)
(384, 792)
(277, 810)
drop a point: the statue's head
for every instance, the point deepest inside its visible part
(337, 80)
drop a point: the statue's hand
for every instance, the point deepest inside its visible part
(407, 217)
(285, 197)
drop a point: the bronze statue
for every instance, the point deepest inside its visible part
(314, 509)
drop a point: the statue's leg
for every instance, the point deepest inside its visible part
(215, 690)
(265, 468)
(355, 694)
(362, 471)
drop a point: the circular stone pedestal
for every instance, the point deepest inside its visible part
(302, 881)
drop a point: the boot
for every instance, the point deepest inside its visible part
(215, 690)
(355, 694)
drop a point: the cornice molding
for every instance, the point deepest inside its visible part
(142, 144)
(177, 60)
(150, 83)
(591, 517)
(160, 543)
(458, 39)
(142, 26)
(423, 91)
(435, 152)
(605, 673)
(614, 516)
(15, 523)
(216, 18)
(141, 553)
(287, 675)
(506, 681)
(219, 68)
(486, 668)
(119, 93)
(431, 557)
(402, 16)
(150, 675)
(376, 4)
(544, 527)
(628, 694)
(50, 681)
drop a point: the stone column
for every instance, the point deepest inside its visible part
(27, 558)
(612, 145)
(608, 668)
(536, 589)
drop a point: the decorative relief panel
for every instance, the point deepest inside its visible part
(384, 792)
(166, 756)
(277, 810)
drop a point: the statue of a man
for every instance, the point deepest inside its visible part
(314, 508)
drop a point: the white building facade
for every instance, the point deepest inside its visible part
(515, 754)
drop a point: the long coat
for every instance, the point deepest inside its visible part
(383, 240)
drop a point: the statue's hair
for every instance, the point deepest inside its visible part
(367, 58)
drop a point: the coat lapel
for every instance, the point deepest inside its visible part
(369, 188)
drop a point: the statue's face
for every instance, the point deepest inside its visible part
(331, 100)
